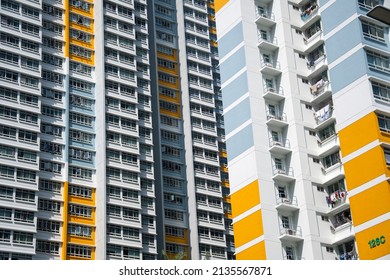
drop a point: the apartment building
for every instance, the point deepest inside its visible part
(111, 134)
(305, 88)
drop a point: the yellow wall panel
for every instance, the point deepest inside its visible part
(248, 228)
(365, 167)
(255, 252)
(219, 4)
(379, 234)
(245, 198)
(359, 134)
(81, 240)
(371, 203)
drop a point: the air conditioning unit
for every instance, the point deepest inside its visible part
(286, 200)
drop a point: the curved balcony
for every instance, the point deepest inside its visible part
(320, 91)
(267, 42)
(270, 68)
(286, 203)
(276, 119)
(279, 146)
(264, 18)
(290, 234)
(274, 94)
(282, 173)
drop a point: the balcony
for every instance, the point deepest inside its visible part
(290, 234)
(316, 64)
(276, 119)
(282, 173)
(309, 14)
(286, 203)
(270, 67)
(267, 42)
(320, 90)
(274, 94)
(279, 145)
(337, 201)
(313, 41)
(264, 17)
(343, 232)
(323, 114)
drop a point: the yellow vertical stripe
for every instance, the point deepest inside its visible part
(65, 221)
(66, 22)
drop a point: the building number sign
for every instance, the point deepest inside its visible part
(377, 242)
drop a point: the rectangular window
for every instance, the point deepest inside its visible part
(48, 226)
(48, 247)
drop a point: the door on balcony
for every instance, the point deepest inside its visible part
(289, 253)
(267, 59)
(278, 164)
(282, 192)
(269, 85)
(263, 34)
(272, 109)
(285, 222)
(275, 136)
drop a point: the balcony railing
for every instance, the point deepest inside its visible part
(271, 64)
(319, 87)
(264, 14)
(276, 116)
(281, 142)
(308, 40)
(286, 199)
(280, 169)
(267, 38)
(273, 90)
(292, 231)
(336, 198)
(309, 12)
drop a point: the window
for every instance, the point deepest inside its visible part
(380, 91)
(169, 182)
(80, 230)
(80, 154)
(28, 117)
(80, 191)
(327, 132)
(80, 211)
(174, 231)
(24, 216)
(6, 214)
(81, 119)
(51, 186)
(6, 192)
(368, 4)
(81, 173)
(6, 171)
(50, 147)
(49, 166)
(48, 226)
(24, 238)
(24, 195)
(49, 247)
(5, 236)
(26, 175)
(174, 215)
(378, 61)
(49, 205)
(331, 160)
(51, 129)
(384, 123)
(81, 136)
(387, 156)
